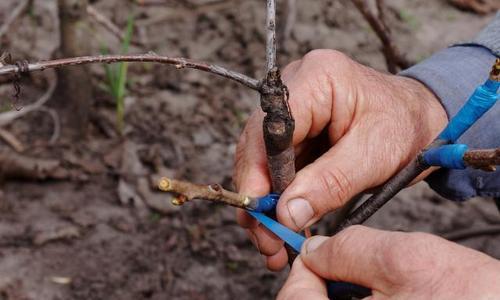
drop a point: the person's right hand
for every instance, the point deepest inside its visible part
(375, 124)
(394, 265)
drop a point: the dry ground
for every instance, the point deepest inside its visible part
(114, 248)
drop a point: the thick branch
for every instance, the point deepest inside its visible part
(402, 179)
(393, 56)
(179, 63)
(187, 191)
(486, 160)
(271, 35)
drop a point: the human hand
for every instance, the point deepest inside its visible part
(376, 123)
(394, 265)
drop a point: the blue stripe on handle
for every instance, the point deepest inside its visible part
(448, 156)
(483, 98)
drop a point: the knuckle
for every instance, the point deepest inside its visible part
(405, 257)
(335, 185)
(322, 55)
(328, 62)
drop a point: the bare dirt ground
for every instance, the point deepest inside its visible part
(98, 238)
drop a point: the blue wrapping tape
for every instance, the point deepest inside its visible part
(483, 98)
(448, 156)
(290, 237)
(267, 203)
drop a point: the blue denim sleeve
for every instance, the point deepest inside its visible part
(453, 74)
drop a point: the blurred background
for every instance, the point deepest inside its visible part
(78, 216)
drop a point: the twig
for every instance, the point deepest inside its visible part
(472, 232)
(291, 18)
(486, 160)
(13, 165)
(18, 11)
(271, 35)
(393, 56)
(179, 63)
(187, 191)
(11, 139)
(481, 7)
(106, 23)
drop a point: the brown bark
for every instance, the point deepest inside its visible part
(74, 89)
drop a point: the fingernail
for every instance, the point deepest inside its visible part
(301, 211)
(314, 243)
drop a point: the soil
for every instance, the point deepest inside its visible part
(106, 234)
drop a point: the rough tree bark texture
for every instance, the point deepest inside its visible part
(74, 89)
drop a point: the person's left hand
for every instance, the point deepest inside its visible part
(394, 265)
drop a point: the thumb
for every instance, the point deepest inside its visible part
(325, 185)
(303, 284)
(353, 255)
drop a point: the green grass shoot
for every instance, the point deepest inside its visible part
(116, 76)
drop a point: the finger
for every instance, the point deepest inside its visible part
(245, 220)
(266, 242)
(250, 173)
(278, 261)
(354, 255)
(326, 184)
(303, 284)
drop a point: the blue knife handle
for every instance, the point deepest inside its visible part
(346, 291)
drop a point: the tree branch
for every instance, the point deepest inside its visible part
(401, 180)
(187, 191)
(393, 56)
(486, 160)
(178, 62)
(271, 35)
(106, 23)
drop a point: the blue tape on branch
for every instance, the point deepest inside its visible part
(448, 156)
(267, 203)
(483, 98)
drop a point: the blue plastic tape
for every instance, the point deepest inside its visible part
(290, 237)
(448, 156)
(483, 98)
(267, 203)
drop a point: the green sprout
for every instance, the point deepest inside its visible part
(116, 76)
